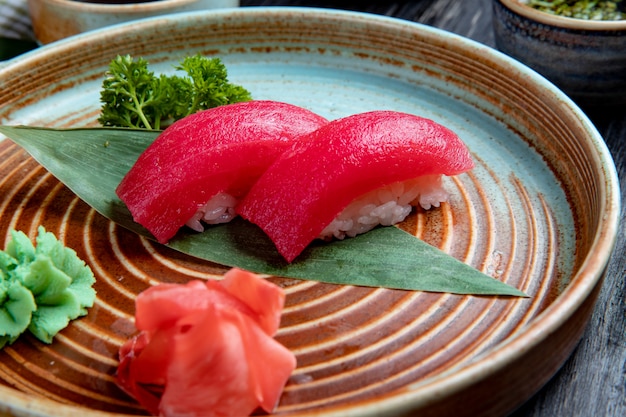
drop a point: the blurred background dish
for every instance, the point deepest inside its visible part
(585, 58)
(56, 19)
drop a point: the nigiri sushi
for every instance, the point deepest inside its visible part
(351, 175)
(198, 168)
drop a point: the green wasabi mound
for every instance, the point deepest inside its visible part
(17, 305)
(42, 287)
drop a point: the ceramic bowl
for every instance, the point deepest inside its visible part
(56, 19)
(585, 58)
(539, 212)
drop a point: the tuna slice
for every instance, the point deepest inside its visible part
(344, 160)
(213, 154)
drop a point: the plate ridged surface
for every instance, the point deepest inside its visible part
(518, 215)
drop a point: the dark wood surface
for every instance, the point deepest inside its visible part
(592, 383)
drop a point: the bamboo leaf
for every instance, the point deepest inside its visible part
(92, 162)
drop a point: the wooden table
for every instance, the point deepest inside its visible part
(592, 383)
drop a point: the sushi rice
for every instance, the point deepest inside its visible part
(219, 209)
(386, 206)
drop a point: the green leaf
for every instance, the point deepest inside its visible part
(92, 162)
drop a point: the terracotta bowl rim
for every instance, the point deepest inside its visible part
(130, 7)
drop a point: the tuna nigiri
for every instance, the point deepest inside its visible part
(351, 175)
(199, 167)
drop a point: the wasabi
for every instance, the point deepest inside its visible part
(17, 305)
(42, 287)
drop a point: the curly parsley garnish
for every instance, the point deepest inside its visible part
(133, 96)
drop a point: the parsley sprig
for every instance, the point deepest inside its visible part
(133, 96)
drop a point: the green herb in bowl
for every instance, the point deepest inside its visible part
(580, 9)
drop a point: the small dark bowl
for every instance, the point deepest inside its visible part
(584, 58)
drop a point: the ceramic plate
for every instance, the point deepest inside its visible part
(539, 212)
